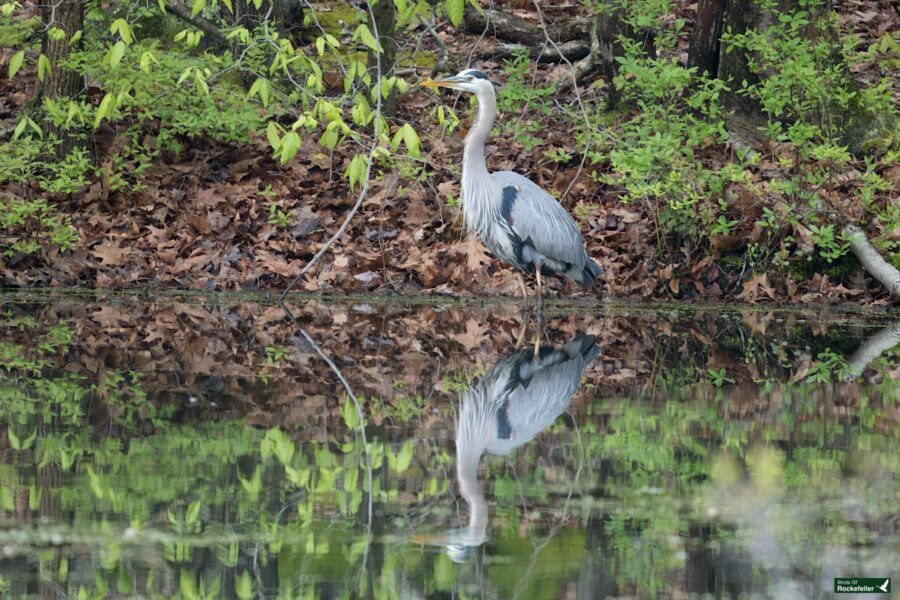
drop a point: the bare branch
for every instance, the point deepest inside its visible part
(363, 192)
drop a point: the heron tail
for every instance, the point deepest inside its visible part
(585, 345)
(591, 271)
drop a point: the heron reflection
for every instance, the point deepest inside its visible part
(520, 396)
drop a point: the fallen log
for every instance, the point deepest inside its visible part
(186, 14)
(574, 50)
(511, 28)
(872, 260)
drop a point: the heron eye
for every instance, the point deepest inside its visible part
(471, 78)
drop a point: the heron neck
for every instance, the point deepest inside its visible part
(473, 155)
(476, 182)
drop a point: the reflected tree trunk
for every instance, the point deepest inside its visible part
(699, 566)
(594, 580)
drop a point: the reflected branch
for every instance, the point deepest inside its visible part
(871, 349)
(359, 411)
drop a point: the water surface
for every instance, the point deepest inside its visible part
(202, 447)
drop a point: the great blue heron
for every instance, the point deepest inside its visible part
(516, 399)
(515, 219)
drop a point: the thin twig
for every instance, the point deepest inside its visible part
(359, 411)
(575, 87)
(363, 192)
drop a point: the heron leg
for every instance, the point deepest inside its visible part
(522, 330)
(523, 288)
(525, 313)
(539, 310)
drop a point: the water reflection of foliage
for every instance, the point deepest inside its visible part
(142, 500)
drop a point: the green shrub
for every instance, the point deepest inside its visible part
(29, 225)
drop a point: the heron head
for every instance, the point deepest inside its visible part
(467, 80)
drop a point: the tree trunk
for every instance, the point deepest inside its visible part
(703, 52)
(285, 15)
(67, 15)
(611, 25)
(386, 24)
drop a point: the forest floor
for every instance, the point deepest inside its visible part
(207, 218)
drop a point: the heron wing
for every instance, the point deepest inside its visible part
(535, 215)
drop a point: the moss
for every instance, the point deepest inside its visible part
(867, 130)
(834, 270)
(331, 20)
(421, 58)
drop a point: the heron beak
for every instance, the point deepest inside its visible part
(449, 82)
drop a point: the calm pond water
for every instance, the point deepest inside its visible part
(202, 447)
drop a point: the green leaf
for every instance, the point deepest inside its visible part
(197, 6)
(320, 45)
(148, 58)
(262, 89)
(356, 170)
(403, 458)
(289, 146)
(116, 53)
(15, 63)
(348, 408)
(29, 440)
(43, 66)
(192, 513)
(273, 135)
(409, 137)
(365, 35)
(96, 484)
(122, 27)
(243, 583)
(201, 82)
(13, 439)
(252, 486)
(228, 5)
(455, 11)
(104, 111)
(329, 138)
